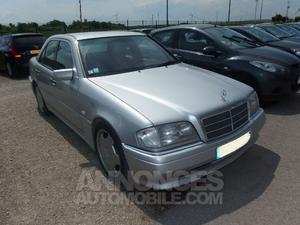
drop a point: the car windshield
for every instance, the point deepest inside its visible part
(261, 34)
(277, 32)
(290, 30)
(230, 38)
(29, 42)
(113, 55)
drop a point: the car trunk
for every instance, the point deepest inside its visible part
(28, 45)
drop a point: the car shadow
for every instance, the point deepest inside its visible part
(245, 180)
(17, 78)
(75, 140)
(286, 107)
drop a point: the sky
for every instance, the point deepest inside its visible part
(41, 11)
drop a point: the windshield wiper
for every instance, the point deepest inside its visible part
(238, 39)
(168, 63)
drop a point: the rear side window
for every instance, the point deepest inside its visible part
(166, 38)
(64, 56)
(27, 43)
(4, 42)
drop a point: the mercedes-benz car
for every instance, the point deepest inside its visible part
(271, 72)
(142, 110)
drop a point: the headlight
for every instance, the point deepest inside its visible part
(296, 51)
(253, 103)
(269, 67)
(175, 134)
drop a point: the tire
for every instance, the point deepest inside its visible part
(41, 106)
(10, 70)
(110, 152)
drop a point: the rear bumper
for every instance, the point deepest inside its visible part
(198, 159)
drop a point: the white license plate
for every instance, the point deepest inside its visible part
(233, 146)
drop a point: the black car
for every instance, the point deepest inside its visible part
(143, 30)
(279, 33)
(270, 71)
(289, 29)
(17, 49)
(262, 37)
(294, 25)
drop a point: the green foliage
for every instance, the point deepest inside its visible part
(58, 27)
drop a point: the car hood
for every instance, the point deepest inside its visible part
(285, 44)
(294, 39)
(174, 93)
(271, 54)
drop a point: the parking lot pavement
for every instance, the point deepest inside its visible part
(42, 162)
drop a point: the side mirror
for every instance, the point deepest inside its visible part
(64, 74)
(211, 51)
(178, 57)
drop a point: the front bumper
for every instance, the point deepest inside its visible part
(283, 85)
(198, 159)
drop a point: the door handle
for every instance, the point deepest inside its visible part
(37, 72)
(53, 81)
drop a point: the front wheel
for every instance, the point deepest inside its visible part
(110, 153)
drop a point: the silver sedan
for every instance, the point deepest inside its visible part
(141, 109)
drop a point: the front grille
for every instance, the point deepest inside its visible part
(226, 122)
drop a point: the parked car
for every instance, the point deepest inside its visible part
(279, 33)
(262, 37)
(143, 30)
(17, 49)
(289, 29)
(141, 109)
(294, 25)
(271, 72)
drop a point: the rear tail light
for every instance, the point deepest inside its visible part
(14, 53)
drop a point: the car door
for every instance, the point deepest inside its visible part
(191, 44)
(66, 91)
(44, 72)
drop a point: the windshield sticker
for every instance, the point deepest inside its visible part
(96, 70)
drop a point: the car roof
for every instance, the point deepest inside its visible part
(21, 34)
(26, 34)
(101, 34)
(192, 26)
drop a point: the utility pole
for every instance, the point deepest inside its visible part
(256, 4)
(80, 11)
(288, 8)
(167, 12)
(261, 9)
(229, 11)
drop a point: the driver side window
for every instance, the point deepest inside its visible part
(193, 41)
(48, 57)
